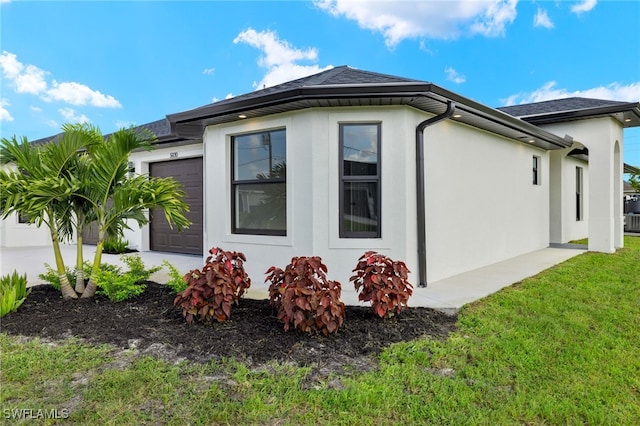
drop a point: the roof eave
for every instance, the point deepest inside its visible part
(630, 111)
(291, 95)
(628, 168)
(507, 120)
(191, 123)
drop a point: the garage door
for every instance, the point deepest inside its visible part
(189, 173)
(90, 234)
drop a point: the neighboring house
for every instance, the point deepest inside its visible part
(631, 195)
(631, 204)
(346, 161)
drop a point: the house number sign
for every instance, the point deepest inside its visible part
(173, 155)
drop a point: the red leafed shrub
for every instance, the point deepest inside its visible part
(304, 298)
(211, 292)
(383, 282)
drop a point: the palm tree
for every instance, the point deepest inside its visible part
(40, 187)
(87, 135)
(115, 198)
(80, 178)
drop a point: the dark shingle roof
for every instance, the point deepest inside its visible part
(558, 105)
(342, 75)
(160, 128)
(349, 87)
(568, 109)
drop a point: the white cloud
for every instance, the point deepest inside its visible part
(31, 79)
(549, 91)
(496, 17)
(70, 116)
(279, 57)
(583, 6)
(455, 76)
(79, 94)
(229, 96)
(4, 113)
(25, 79)
(431, 19)
(208, 71)
(275, 51)
(35, 108)
(541, 19)
(53, 123)
(10, 65)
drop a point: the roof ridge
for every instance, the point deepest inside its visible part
(326, 74)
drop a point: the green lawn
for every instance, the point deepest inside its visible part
(560, 348)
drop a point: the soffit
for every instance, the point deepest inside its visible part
(423, 96)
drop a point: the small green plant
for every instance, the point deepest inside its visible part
(137, 268)
(211, 292)
(304, 298)
(119, 286)
(383, 282)
(13, 291)
(177, 281)
(51, 276)
(115, 245)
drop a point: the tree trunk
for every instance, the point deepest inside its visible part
(91, 288)
(65, 286)
(79, 263)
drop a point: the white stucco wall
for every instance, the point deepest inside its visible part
(312, 191)
(575, 229)
(482, 206)
(15, 234)
(262, 251)
(564, 226)
(604, 139)
(139, 237)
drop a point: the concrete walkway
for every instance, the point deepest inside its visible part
(447, 295)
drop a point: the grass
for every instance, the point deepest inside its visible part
(558, 348)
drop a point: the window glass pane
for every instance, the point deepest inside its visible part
(578, 193)
(360, 209)
(260, 155)
(261, 206)
(360, 149)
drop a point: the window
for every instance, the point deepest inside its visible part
(579, 201)
(360, 180)
(23, 218)
(536, 170)
(258, 184)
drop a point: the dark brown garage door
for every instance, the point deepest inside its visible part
(90, 234)
(189, 173)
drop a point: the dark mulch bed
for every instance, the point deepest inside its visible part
(150, 324)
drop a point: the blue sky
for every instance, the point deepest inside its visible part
(124, 63)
